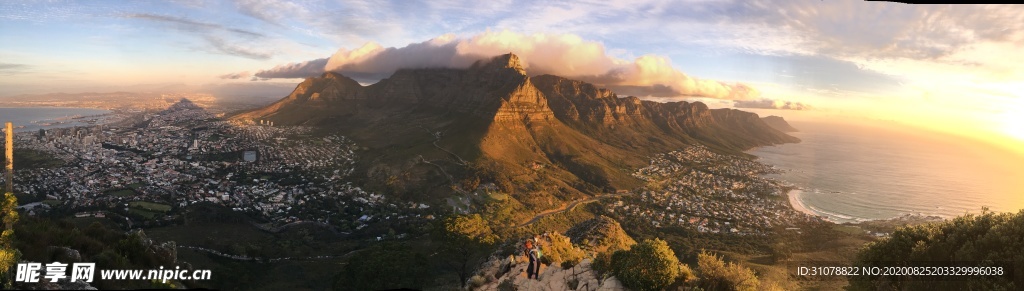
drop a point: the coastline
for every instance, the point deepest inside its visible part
(27, 119)
(796, 204)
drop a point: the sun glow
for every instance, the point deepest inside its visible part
(1012, 117)
(1013, 123)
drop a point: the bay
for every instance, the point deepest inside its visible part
(851, 173)
(34, 118)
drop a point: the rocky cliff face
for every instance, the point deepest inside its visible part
(601, 234)
(494, 114)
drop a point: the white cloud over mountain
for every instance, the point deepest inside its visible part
(565, 55)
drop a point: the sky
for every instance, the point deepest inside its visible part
(952, 69)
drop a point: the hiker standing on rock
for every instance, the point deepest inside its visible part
(533, 269)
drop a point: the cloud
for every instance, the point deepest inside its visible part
(565, 55)
(852, 29)
(770, 104)
(846, 30)
(896, 30)
(11, 68)
(232, 49)
(295, 70)
(349, 21)
(271, 11)
(234, 76)
(191, 25)
(219, 38)
(196, 4)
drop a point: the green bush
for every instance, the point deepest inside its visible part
(686, 274)
(650, 265)
(984, 240)
(716, 274)
(602, 263)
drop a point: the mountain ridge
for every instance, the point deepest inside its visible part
(543, 136)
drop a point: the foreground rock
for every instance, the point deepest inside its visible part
(580, 277)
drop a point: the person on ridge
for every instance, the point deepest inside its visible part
(528, 250)
(536, 259)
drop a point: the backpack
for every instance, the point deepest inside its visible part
(539, 254)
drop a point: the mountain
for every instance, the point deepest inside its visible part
(541, 137)
(778, 123)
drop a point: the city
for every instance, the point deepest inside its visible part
(711, 192)
(146, 166)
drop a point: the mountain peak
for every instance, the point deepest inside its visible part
(505, 61)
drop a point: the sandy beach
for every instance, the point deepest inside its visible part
(795, 202)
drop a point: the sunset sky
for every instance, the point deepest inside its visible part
(953, 69)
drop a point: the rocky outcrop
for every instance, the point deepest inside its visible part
(593, 236)
(61, 284)
(65, 254)
(554, 278)
(600, 234)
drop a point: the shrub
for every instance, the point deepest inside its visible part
(686, 274)
(602, 263)
(650, 265)
(984, 240)
(716, 274)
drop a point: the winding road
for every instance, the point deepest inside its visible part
(565, 208)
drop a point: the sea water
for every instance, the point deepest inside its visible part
(851, 173)
(34, 118)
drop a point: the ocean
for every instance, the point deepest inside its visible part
(852, 173)
(34, 118)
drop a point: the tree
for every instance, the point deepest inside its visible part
(985, 240)
(8, 254)
(502, 214)
(780, 252)
(388, 266)
(650, 265)
(716, 274)
(602, 262)
(466, 239)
